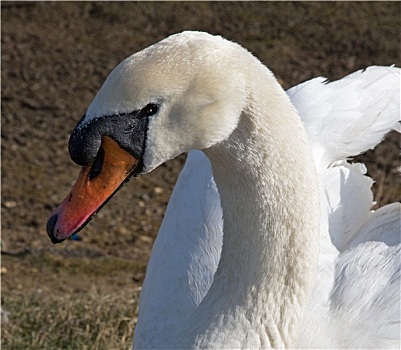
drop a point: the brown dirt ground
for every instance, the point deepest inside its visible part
(54, 58)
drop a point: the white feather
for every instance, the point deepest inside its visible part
(349, 116)
(185, 256)
(355, 303)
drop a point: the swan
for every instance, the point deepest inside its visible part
(268, 239)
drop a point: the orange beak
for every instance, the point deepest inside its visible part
(95, 185)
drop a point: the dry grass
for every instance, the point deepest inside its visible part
(76, 321)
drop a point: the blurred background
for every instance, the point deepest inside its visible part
(54, 58)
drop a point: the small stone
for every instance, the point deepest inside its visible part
(158, 190)
(144, 196)
(159, 211)
(10, 204)
(145, 239)
(122, 230)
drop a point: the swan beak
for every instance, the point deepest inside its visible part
(95, 185)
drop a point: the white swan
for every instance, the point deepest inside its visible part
(286, 276)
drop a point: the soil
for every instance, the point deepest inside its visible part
(56, 55)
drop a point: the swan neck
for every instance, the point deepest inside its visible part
(268, 188)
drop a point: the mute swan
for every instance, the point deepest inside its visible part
(299, 260)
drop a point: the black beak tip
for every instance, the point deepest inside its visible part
(51, 224)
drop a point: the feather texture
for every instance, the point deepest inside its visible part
(355, 302)
(347, 117)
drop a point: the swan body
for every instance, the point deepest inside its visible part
(269, 242)
(345, 200)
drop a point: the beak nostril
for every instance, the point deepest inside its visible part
(97, 165)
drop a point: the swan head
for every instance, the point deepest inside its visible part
(185, 92)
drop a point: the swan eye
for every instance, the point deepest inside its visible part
(150, 109)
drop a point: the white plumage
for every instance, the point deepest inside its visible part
(356, 301)
(277, 247)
